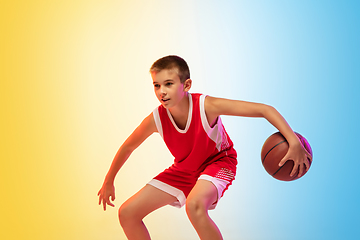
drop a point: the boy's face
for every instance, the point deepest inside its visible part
(168, 87)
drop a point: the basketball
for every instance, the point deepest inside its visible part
(273, 150)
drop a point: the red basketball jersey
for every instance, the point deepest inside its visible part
(198, 145)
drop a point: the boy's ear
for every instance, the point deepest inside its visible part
(187, 85)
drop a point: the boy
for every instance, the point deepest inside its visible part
(205, 160)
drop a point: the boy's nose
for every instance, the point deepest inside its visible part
(162, 91)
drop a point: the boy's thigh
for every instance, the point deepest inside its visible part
(204, 192)
(148, 199)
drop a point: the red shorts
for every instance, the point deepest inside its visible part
(221, 172)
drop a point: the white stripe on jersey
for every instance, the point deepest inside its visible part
(217, 132)
(158, 122)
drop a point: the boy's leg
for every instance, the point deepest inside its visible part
(138, 206)
(201, 197)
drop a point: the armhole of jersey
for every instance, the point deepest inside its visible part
(204, 120)
(215, 132)
(158, 121)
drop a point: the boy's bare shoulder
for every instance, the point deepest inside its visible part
(212, 104)
(210, 107)
(149, 123)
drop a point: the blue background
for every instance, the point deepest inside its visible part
(302, 57)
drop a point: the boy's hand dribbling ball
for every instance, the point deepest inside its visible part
(273, 150)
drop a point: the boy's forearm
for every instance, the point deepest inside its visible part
(120, 158)
(278, 121)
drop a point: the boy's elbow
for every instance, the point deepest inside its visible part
(267, 110)
(127, 149)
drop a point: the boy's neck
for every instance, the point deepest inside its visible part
(181, 110)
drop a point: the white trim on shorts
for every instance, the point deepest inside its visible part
(220, 185)
(181, 199)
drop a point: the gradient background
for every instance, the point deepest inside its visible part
(75, 83)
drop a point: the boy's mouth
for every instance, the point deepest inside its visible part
(165, 100)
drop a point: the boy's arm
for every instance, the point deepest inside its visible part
(143, 131)
(215, 107)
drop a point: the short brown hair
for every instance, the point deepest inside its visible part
(170, 62)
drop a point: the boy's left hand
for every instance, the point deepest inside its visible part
(106, 191)
(301, 158)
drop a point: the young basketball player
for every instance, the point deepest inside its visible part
(205, 160)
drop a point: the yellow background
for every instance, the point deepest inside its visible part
(74, 84)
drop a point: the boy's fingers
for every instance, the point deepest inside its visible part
(282, 162)
(295, 168)
(301, 170)
(113, 196)
(309, 157)
(109, 203)
(104, 205)
(307, 164)
(99, 194)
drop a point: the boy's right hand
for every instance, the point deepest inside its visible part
(106, 191)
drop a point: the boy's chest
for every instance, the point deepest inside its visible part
(181, 122)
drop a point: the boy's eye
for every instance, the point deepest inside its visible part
(156, 85)
(169, 84)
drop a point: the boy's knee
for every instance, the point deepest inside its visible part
(122, 214)
(126, 214)
(195, 208)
